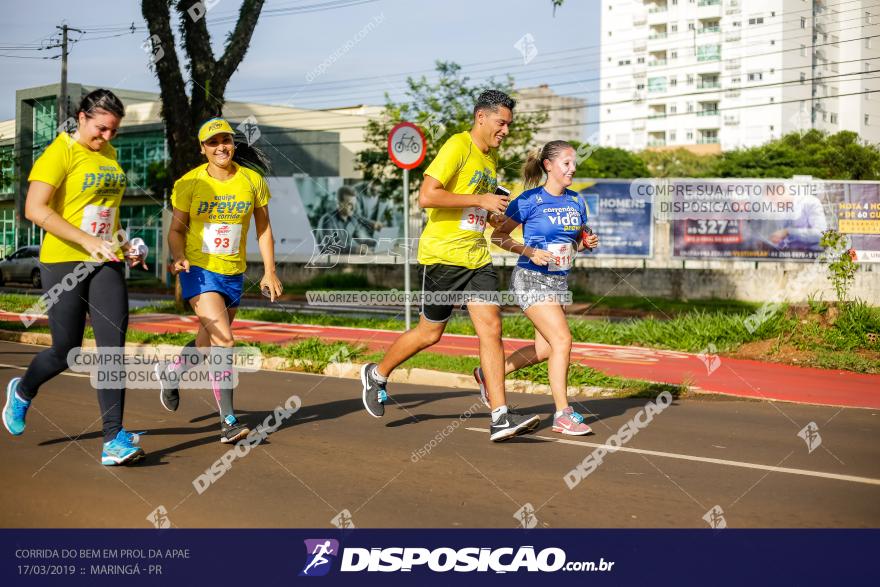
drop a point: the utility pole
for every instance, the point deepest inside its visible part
(62, 95)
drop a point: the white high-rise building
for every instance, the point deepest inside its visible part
(715, 75)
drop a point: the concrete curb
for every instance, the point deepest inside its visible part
(414, 376)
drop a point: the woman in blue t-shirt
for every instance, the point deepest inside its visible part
(554, 221)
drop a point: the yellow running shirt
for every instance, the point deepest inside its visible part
(454, 236)
(219, 216)
(88, 190)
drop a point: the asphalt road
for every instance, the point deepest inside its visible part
(744, 457)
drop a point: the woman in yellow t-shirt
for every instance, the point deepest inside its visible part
(213, 206)
(75, 190)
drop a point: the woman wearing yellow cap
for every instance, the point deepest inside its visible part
(213, 205)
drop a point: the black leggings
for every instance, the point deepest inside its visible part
(102, 294)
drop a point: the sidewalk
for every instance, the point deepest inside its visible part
(738, 377)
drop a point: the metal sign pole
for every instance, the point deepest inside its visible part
(406, 282)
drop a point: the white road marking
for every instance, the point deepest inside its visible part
(672, 455)
(20, 368)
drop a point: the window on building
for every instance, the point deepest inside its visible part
(640, 60)
(867, 119)
(674, 28)
(803, 22)
(756, 20)
(867, 42)
(673, 82)
(673, 108)
(690, 135)
(867, 18)
(672, 135)
(755, 76)
(803, 77)
(803, 50)
(833, 118)
(690, 107)
(708, 52)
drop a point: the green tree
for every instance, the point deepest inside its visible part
(7, 167)
(839, 156)
(441, 109)
(608, 162)
(678, 163)
(208, 77)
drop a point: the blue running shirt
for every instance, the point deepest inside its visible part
(552, 223)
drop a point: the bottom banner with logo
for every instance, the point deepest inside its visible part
(437, 557)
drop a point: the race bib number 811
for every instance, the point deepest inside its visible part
(562, 256)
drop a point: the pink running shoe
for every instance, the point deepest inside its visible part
(571, 423)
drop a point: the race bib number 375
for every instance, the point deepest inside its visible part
(473, 219)
(221, 239)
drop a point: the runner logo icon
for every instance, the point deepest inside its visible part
(320, 554)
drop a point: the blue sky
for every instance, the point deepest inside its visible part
(366, 49)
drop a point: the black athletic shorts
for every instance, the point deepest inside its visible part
(452, 278)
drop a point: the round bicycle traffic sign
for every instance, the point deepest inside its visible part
(406, 145)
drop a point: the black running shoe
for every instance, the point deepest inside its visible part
(231, 430)
(168, 387)
(373, 394)
(511, 424)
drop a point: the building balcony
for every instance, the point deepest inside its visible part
(708, 85)
(657, 36)
(708, 141)
(656, 142)
(653, 115)
(709, 3)
(657, 9)
(709, 29)
(657, 63)
(707, 113)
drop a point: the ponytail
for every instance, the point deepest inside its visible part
(253, 158)
(533, 168)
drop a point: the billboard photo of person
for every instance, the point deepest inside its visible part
(350, 232)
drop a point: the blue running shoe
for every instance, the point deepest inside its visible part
(15, 410)
(122, 450)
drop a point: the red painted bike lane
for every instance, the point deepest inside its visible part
(744, 378)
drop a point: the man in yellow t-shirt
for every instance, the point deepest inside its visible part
(458, 194)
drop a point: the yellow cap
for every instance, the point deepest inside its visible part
(215, 126)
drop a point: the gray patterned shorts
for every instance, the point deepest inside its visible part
(531, 287)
